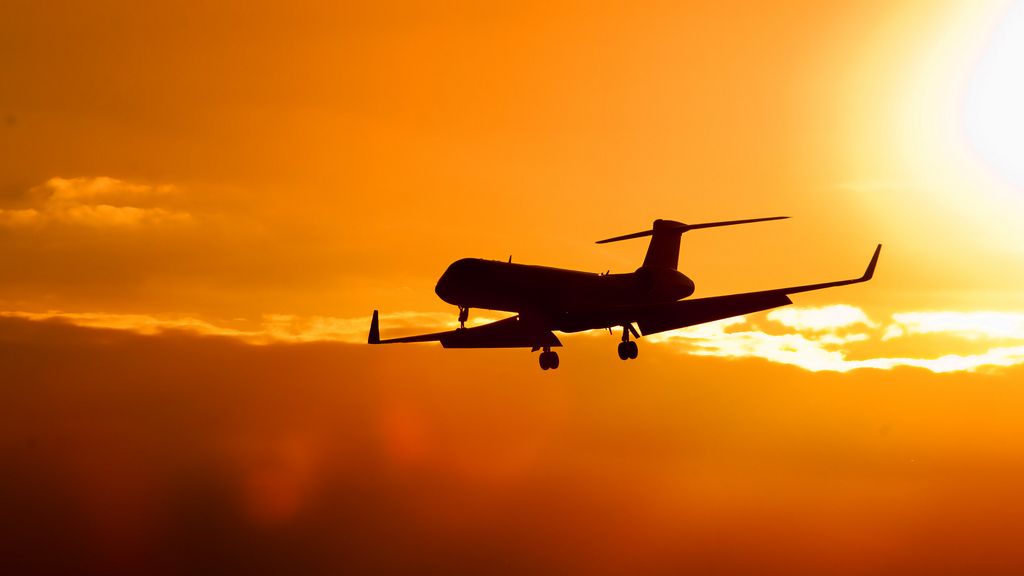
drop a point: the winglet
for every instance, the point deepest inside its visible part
(871, 266)
(374, 330)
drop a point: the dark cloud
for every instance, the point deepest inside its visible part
(179, 454)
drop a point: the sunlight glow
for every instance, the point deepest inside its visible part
(820, 339)
(995, 102)
(969, 325)
(820, 319)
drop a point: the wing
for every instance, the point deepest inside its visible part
(660, 318)
(508, 333)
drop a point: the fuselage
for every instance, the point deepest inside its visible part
(552, 292)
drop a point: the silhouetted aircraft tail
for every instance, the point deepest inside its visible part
(663, 251)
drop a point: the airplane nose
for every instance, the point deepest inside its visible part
(458, 281)
(443, 288)
(447, 285)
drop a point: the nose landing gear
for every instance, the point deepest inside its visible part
(627, 348)
(548, 359)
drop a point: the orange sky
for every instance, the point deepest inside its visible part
(272, 172)
(336, 158)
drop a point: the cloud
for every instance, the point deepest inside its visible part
(19, 217)
(138, 323)
(99, 202)
(837, 338)
(291, 328)
(735, 338)
(182, 455)
(969, 325)
(820, 319)
(821, 339)
(270, 328)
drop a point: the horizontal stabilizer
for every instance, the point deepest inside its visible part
(672, 226)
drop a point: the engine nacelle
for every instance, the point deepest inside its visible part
(662, 284)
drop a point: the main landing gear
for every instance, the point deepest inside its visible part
(548, 359)
(463, 316)
(627, 348)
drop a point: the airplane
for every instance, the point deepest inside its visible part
(546, 300)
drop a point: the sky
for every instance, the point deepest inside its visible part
(227, 190)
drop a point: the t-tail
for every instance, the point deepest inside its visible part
(663, 251)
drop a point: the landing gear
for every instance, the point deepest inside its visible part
(627, 348)
(548, 359)
(463, 316)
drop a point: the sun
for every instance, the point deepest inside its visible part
(995, 99)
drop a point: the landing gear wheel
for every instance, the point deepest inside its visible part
(463, 316)
(548, 360)
(624, 350)
(628, 350)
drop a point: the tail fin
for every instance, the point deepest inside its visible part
(663, 251)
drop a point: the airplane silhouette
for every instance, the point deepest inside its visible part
(547, 299)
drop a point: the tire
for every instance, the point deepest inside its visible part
(623, 351)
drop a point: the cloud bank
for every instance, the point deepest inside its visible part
(269, 329)
(174, 454)
(841, 338)
(837, 338)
